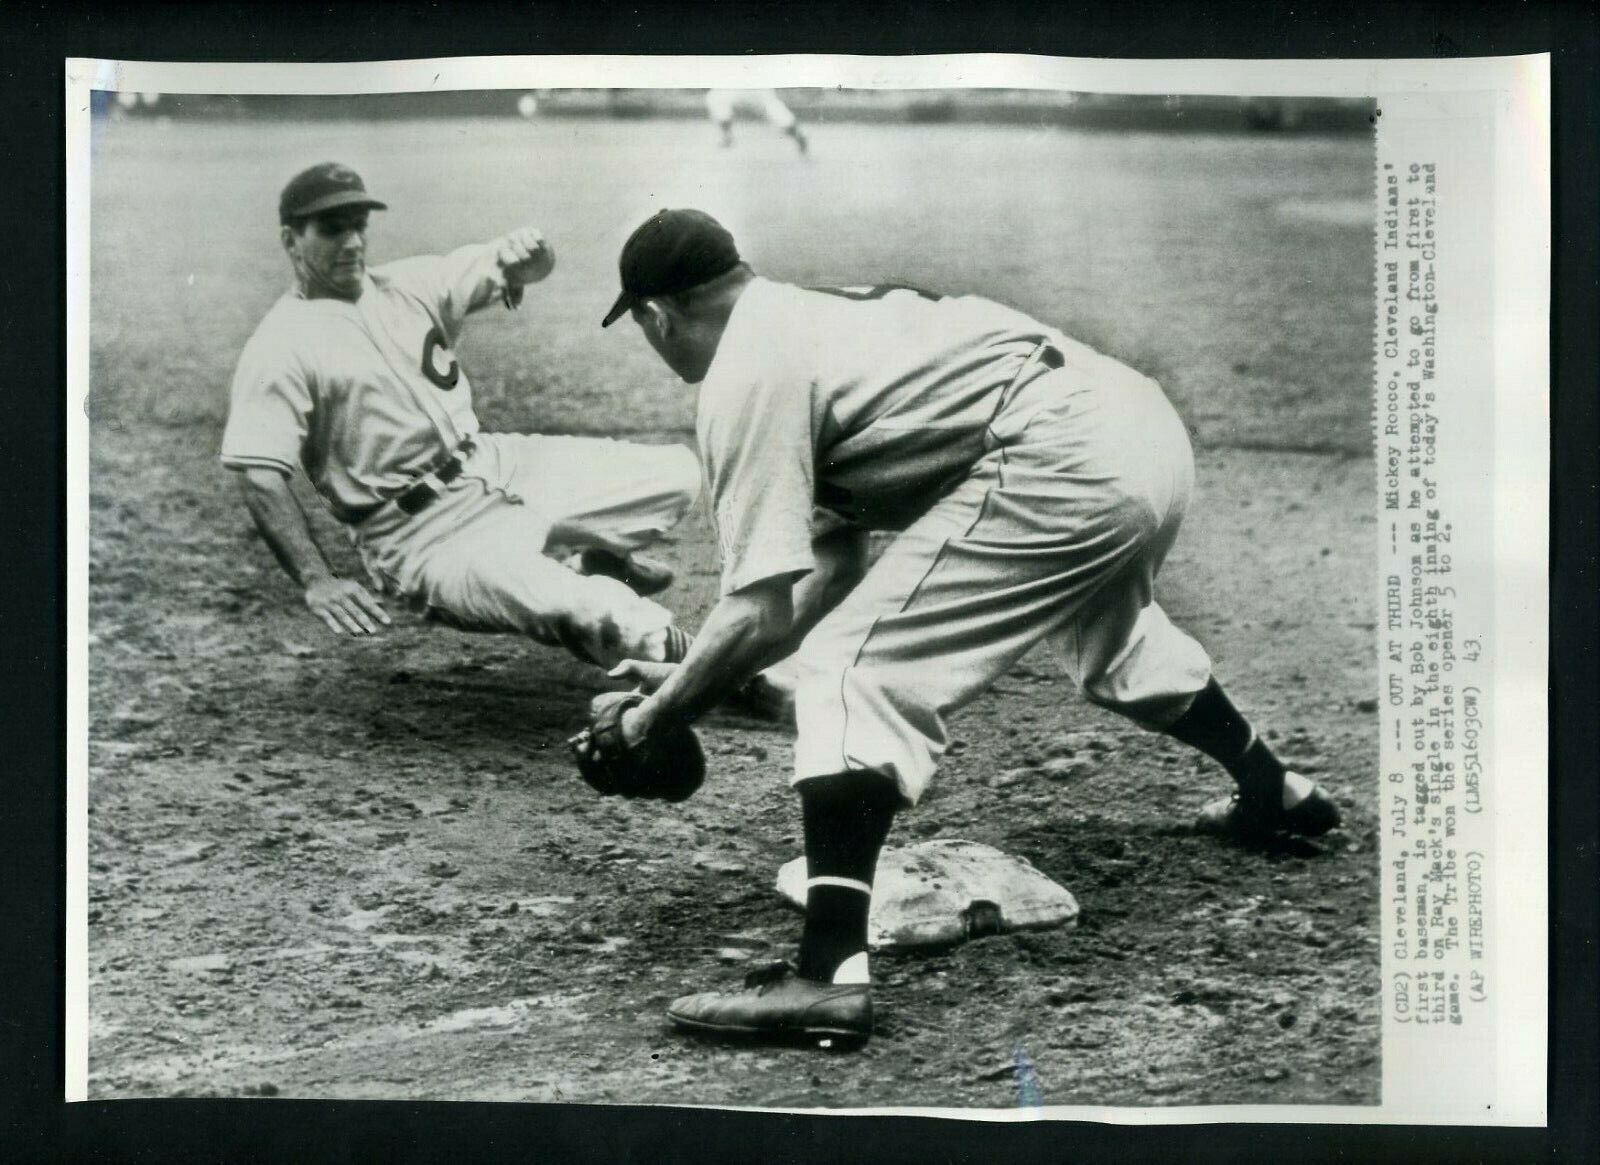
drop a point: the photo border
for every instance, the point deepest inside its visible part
(31, 899)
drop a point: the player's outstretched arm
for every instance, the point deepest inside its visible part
(346, 606)
(740, 631)
(841, 562)
(470, 278)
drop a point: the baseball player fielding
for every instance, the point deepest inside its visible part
(1033, 487)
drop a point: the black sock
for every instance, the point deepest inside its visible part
(1214, 726)
(847, 817)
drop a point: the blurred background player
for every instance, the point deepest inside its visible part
(722, 104)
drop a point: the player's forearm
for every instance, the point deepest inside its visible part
(500, 268)
(814, 597)
(841, 561)
(737, 636)
(483, 278)
(282, 523)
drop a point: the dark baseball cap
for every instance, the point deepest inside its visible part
(673, 251)
(325, 186)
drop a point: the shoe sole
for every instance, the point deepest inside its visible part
(829, 1038)
(643, 582)
(1313, 817)
(645, 588)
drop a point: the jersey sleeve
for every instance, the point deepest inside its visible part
(269, 410)
(756, 443)
(454, 285)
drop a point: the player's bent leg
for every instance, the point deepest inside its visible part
(719, 106)
(776, 112)
(1125, 654)
(486, 578)
(1082, 491)
(600, 494)
(782, 118)
(951, 604)
(1160, 678)
(602, 501)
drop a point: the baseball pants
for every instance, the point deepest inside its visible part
(483, 557)
(723, 103)
(1057, 534)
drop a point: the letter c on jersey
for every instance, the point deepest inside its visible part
(438, 362)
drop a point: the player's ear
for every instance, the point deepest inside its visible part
(654, 316)
(286, 236)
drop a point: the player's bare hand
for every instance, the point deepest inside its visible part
(646, 673)
(346, 606)
(632, 727)
(526, 257)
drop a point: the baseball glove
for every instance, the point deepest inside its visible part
(665, 766)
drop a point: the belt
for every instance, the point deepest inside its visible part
(1046, 357)
(423, 492)
(420, 492)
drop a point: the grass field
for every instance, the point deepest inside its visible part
(364, 869)
(1235, 269)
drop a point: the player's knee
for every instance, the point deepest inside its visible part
(1151, 713)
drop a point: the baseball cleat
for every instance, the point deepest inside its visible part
(777, 1005)
(1306, 811)
(644, 576)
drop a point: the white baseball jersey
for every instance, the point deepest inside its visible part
(865, 403)
(364, 394)
(1028, 507)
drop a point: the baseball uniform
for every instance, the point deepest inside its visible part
(721, 104)
(368, 397)
(1035, 486)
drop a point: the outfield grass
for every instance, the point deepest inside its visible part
(1236, 269)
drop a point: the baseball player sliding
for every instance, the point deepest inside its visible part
(1034, 487)
(353, 375)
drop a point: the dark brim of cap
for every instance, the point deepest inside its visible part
(625, 302)
(337, 200)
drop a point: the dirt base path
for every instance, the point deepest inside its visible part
(330, 869)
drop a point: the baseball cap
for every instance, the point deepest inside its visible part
(672, 251)
(325, 186)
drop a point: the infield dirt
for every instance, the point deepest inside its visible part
(328, 868)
